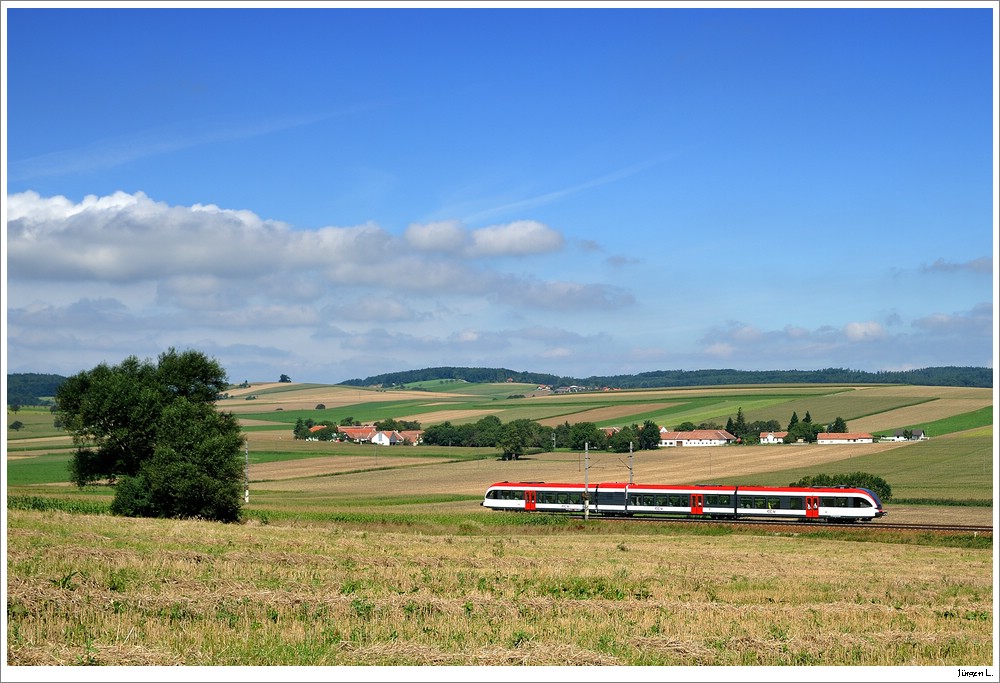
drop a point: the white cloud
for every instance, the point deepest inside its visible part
(863, 331)
(976, 321)
(443, 236)
(190, 251)
(517, 238)
(719, 350)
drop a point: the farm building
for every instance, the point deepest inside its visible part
(412, 436)
(833, 437)
(396, 438)
(773, 437)
(900, 435)
(359, 434)
(390, 438)
(697, 437)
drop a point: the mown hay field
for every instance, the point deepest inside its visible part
(97, 590)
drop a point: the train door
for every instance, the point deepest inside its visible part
(529, 500)
(697, 503)
(812, 506)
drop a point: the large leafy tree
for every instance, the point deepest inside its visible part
(649, 436)
(154, 430)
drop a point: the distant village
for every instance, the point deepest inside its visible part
(668, 439)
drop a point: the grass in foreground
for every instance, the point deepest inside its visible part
(85, 589)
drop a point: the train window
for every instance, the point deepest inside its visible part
(576, 498)
(647, 500)
(548, 497)
(794, 503)
(711, 500)
(562, 498)
(842, 502)
(724, 500)
(862, 503)
(827, 502)
(518, 495)
(759, 503)
(745, 501)
(773, 504)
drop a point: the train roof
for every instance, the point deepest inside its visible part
(805, 489)
(682, 487)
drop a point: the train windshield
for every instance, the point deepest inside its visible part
(878, 501)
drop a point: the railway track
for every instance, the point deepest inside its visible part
(811, 526)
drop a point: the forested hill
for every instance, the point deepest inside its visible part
(32, 388)
(950, 376)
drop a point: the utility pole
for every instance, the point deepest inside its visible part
(630, 462)
(246, 474)
(586, 486)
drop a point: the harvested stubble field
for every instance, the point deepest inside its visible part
(106, 591)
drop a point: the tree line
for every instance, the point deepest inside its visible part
(956, 376)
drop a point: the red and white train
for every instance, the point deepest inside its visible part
(839, 504)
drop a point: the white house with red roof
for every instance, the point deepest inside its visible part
(773, 437)
(390, 438)
(697, 437)
(412, 436)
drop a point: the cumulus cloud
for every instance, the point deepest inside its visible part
(863, 331)
(517, 238)
(194, 253)
(129, 238)
(977, 321)
(443, 236)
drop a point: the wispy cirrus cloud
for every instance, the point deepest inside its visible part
(556, 195)
(121, 149)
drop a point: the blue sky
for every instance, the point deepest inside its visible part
(334, 193)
